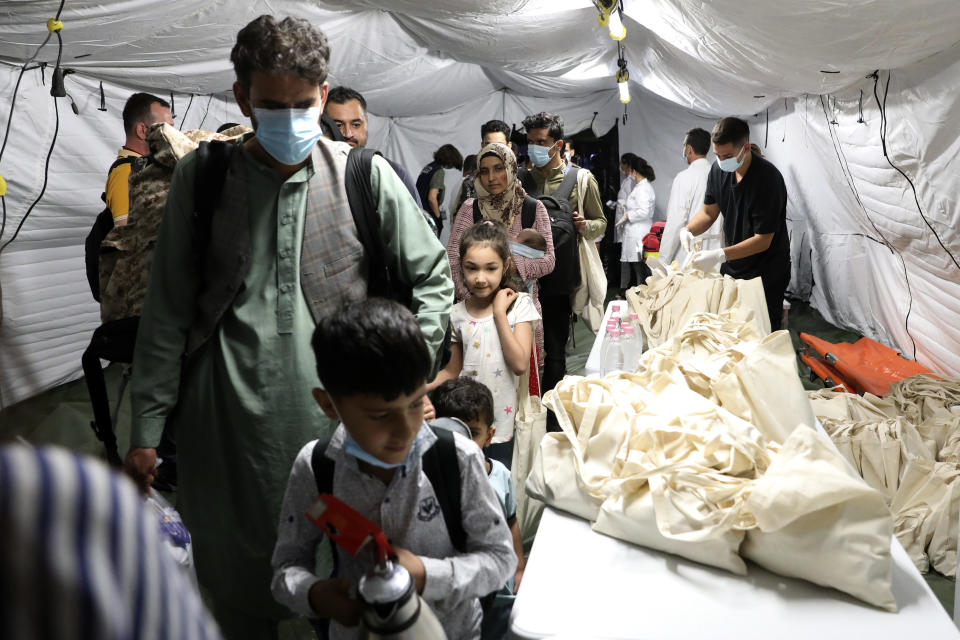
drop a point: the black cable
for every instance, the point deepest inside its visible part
(883, 142)
(205, 113)
(46, 175)
(848, 175)
(53, 142)
(184, 119)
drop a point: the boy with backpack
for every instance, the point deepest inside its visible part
(554, 182)
(469, 403)
(427, 490)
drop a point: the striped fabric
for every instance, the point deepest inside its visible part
(81, 557)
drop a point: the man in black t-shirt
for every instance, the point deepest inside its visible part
(752, 196)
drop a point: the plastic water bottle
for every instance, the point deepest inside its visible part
(631, 348)
(612, 353)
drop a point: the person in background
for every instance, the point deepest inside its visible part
(373, 364)
(545, 146)
(638, 217)
(287, 254)
(82, 556)
(348, 110)
(686, 199)
(500, 198)
(466, 186)
(430, 182)
(620, 208)
(471, 403)
(494, 131)
(751, 194)
(140, 111)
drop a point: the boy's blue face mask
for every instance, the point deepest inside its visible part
(288, 135)
(351, 447)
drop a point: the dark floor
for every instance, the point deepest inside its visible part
(62, 415)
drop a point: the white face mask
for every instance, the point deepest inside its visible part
(732, 164)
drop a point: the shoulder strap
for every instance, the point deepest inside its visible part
(442, 468)
(477, 216)
(213, 161)
(528, 215)
(323, 467)
(566, 187)
(122, 161)
(528, 183)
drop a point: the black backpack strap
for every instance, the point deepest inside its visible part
(477, 216)
(442, 468)
(213, 162)
(363, 208)
(528, 183)
(528, 215)
(323, 467)
(566, 187)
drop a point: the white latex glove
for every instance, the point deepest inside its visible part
(708, 260)
(686, 239)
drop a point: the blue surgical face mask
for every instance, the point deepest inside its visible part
(351, 447)
(288, 135)
(732, 164)
(539, 156)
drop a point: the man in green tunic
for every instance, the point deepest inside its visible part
(283, 250)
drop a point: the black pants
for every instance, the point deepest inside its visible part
(774, 287)
(641, 271)
(556, 328)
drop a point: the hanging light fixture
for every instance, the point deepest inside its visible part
(622, 77)
(617, 31)
(605, 7)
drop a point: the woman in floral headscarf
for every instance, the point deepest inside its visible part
(500, 198)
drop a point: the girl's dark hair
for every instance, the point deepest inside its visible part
(640, 165)
(628, 158)
(495, 236)
(470, 163)
(448, 156)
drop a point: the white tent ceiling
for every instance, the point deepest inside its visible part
(433, 71)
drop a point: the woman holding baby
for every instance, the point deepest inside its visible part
(500, 200)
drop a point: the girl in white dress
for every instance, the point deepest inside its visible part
(492, 329)
(638, 217)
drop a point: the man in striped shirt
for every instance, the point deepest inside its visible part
(82, 557)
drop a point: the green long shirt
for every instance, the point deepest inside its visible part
(245, 405)
(592, 207)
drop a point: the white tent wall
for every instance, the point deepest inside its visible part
(864, 253)
(433, 72)
(48, 313)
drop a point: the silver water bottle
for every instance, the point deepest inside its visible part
(392, 609)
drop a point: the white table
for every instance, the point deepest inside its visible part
(582, 584)
(592, 368)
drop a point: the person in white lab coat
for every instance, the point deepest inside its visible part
(638, 217)
(620, 208)
(686, 198)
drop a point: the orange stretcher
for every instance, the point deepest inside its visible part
(821, 369)
(865, 366)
